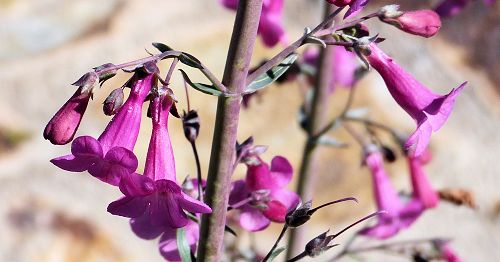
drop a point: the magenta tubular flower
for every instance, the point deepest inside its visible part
(399, 215)
(261, 197)
(62, 127)
(154, 201)
(422, 189)
(270, 25)
(344, 66)
(168, 241)
(429, 110)
(110, 156)
(355, 6)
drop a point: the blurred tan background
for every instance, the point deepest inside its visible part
(50, 215)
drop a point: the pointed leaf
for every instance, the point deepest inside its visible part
(275, 253)
(204, 88)
(162, 47)
(183, 245)
(271, 75)
(190, 60)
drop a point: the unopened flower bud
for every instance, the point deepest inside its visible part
(191, 125)
(62, 127)
(113, 102)
(389, 154)
(424, 23)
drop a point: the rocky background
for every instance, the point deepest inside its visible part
(50, 215)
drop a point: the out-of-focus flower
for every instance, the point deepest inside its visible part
(398, 215)
(110, 156)
(355, 6)
(446, 252)
(154, 201)
(343, 69)
(270, 25)
(168, 241)
(62, 127)
(448, 8)
(424, 23)
(429, 110)
(422, 188)
(262, 196)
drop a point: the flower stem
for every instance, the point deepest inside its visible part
(316, 119)
(198, 171)
(226, 125)
(285, 227)
(294, 46)
(298, 257)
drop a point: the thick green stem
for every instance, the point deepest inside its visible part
(316, 121)
(226, 125)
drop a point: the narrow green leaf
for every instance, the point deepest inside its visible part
(162, 47)
(204, 88)
(190, 60)
(275, 253)
(183, 245)
(271, 75)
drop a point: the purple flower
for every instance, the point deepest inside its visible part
(62, 127)
(270, 25)
(154, 201)
(446, 252)
(422, 189)
(110, 156)
(261, 197)
(398, 214)
(448, 8)
(343, 69)
(429, 110)
(168, 241)
(355, 6)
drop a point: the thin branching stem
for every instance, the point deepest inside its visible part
(282, 233)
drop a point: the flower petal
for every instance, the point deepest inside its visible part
(281, 171)
(143, 228)
(166, 208)
(71, 163)
(86, 146)
(288, 198)
(136, 185)
(275, 211)
(192, 205)
(127, 206)
(259, 177)
(253, 220)
(168, 241)
(118, 162)
(238, 192)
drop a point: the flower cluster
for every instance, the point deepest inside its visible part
(399, 214)
(154, 201)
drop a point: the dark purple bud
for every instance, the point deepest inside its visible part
(191, 125)
(299, 215)
(249, 153)
(62, 127)
(319, 244)
(389, 154)
(113, 102)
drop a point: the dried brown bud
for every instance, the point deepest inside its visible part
(458, 196)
